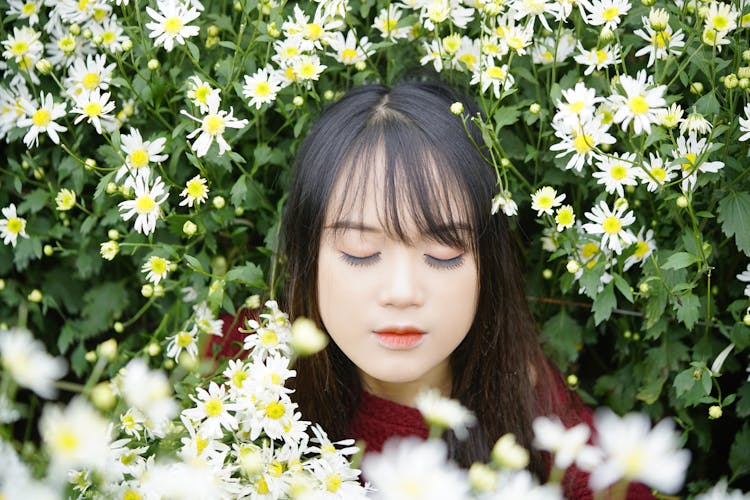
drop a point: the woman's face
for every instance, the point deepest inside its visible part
(396, 310)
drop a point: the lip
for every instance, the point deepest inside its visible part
(400, 337)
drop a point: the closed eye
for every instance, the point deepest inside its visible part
(451, 263)
(356, 261)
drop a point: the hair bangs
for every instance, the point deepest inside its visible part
(418, 193)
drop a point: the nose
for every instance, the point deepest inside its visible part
(401, 283)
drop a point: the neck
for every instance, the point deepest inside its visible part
(405, 393)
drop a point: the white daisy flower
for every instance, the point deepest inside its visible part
(148, 391)
(691, 154)
(496, 77)
(386, 23)
(433, 54)
(85, 76)
(213, 125)
(63, 48)
(545, 199)
(212, 411)
(73, 11)
(697, 123)
(534, 9)
(503, 201)
(12, 226)
(605, 13)
(338, 478)
(745, 278)
(139, 154)
(273, 415)
(96, 109)
(721, 17)
(582, 141)
(42, 119)
(23, 47)
(637, 453)
(661, 44)
(170, 23)
(350, 50)
(195, 192)
(444, 413)
(156, 269)
(65, 200)
(146, 205)
(319, 31)
(611, 225)
(287, 50)
(598, 58)
(578, 105)
(639, 104)
(198, 92)
(547, 50)
(109, 33)
(206, 321)
(468, 54)
(435, 12)
(644, 247)
(568, 445)
(670, 117)
(262, 87)
(745, 124)
(714, 38)
(25, 9)
(236, 373)
(518, 38)
(26, 360)
(415, 469)
(565, 217)
(131, 423)
(184, 340)
(617, 171)
(655, 174)
(307, 68)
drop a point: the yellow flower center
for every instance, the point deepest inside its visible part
(601, 56)
(496, 73)
(26, 62)
(634, 463)
(611, 225)
(108, 37)
(16, 225)
(589, 250)
(269, 338)
(202, 93)
(348, 55)
(239, 378)
(583, 143)
(388, 25)
(213, 407)
(261, 486)
(128, 421)
(138, 158)
(262, 89)
(333, 482)
(547, 56)
(19, 48)
(576, 107)
(515, 42)
(28, 9)
(690, 157)
(640, 249)
(83, 5)
(200, 444)
(468, 59)
(659, 174)
(660, 39)
(313, 31)
(196, 189)
(145, 204)
(565, 217)
(173, 25)
(131, 494)
(158, 265)
(720, 22)
(66, 441)
(451, 44)
(127, 458)
(92, 109)
(619, 172)
(610, 13)
(41, 118)
(290, 51)
(275, 410)
(213, 124)
(275, 469)
(67, 44)
(544, 201)
(99, 15)
(306, 70)
(638, 105)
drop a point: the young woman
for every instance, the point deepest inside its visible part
(393, 251)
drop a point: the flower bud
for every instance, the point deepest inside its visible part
(213, 30)
(168, 364)
(109, 249)
(89, 164)
(457, 108)
(696, 88)
(606, 36)
(745, 318)
(746, 55)
(188, 361)
(127, 45)
(158, 290)
(482, 478)
(535, 108)
(547, 274)
(153, 64)
(328, 95)
(731, 81)
(273, 31)
(87, 34)
(2, 284)
(743, 72)
(504, 162)
(97, 40)
(360, 65)
(644, 288)
(90, 356)
(153, 349)
(38, 173)
(219, 202)
(508, 454)
(147, 290)
(239, 211)
(113, 234)
(715, 412)
(118, 327)
(189, 228)
(75, 29)
(111, 188)
(572, 380)
(658, 19)
(108, 350)
(219, 265)
(252, 302)
(682, 201)
(298, 101)
(35, 296)
(573, 266)
(103, 397)
(307, 339)
(648, 3)
(126, 191)
(744, 83)
(48, 250)
(43, 66)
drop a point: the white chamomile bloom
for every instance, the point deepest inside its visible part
(605, 13)
(350, 50)
(198, 92)
(641, 102)
(655, 174)
(581, 141)
(636, 452)
(184, 340)
(644, 247)
(617, 171)
(745, 124)
(206, 321)
(12, 226)
(695, 122)
(23, 47)
(691, 154)
(433, 53)
(338, 478)
(436, 12)
(236, 373)
(745, 278)
(545, 199)
(444, 413)
(611, 224)
(721, 17)
(28, 363)
(262, 88)
(195, 192)
(547, 50)
(25, 9)
(577, 105)
(534, 9)
(65, 199)
(75, 436)
(146, 205)
(139, 154)
(42, 119)
(496, 77)
(110, 33)
(565, 217)
(661, 44)
(518, 38)
(503, 201)
(148, 391)
(670, 117)
(597, 59)
(386, 22)
(468, 54)
(156, 269)
(87, 75)
(96, 109)
(567, 445)
(170, 23)
(307, 68)
(213, 125)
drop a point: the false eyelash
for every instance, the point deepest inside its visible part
(360, 261)
(451, 263)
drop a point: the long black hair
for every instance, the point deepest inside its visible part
(435, 176)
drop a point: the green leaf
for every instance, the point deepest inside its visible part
(650, 392)
(707, 105)
(655, 306)
(739, 453)
(505, 116)
(604, 304)
(684, 382)
(734, 217)
(561, 336)
(679, 260)
(239, 190)
(194, 52)
(623, 287)
(688, 309)
(34, 201)
(250, 274)
(89, 224)
(194, 263)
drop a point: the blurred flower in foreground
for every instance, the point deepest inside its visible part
(721, 492)
(636, 452)
(27, 361)
(414, 469)
(149, 391)
(567, 445)
(444, 413)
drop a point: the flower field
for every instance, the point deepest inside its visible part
(148, 148)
